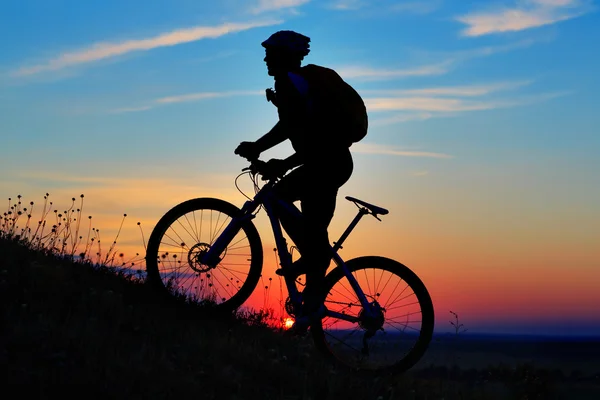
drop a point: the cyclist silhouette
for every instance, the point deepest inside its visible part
(321, 164)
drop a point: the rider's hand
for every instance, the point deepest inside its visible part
(248, 150)
(274, 168)
(271, 96)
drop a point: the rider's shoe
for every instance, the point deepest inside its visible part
(295, 270)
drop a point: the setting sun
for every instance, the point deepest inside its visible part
(288, 323)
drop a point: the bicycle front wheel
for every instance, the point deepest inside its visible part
(395, 337)
(188, 230)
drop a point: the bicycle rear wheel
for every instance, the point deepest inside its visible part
(187, 231)
(402, 329)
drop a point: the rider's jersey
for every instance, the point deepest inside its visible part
(310, 133)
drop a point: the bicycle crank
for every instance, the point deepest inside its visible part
(291, 308)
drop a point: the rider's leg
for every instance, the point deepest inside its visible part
(321, 178)
(288, 189)
(317, 209)
(318, 202)
(316, 185)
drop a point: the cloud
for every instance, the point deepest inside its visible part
(452, 105)
(448, 62)
(461, 91)
(274, 5)
(106, 50)
(376, 8)
(437, 102)
(404, 117)
(367, 73)
(486, 51)
(346, 5)
(207, 95)
(422, 104)
(372, 148)
(183, 98)
(526, 14)
(434, 104)
(130, 109)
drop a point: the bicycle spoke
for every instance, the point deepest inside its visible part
(405, 315)
(341, 303)
(183, 242)
(201, 221)
(195, 234)
(350, 299)
(405, 297)
(178, 244)
(234, 243)
(386, 304)
(185, 229)
(218, 231)
(219, 282)
(196, 226)
(388, 281)
(210, 228)
(409, 327)
(367, 279)
(232, 272)
(395, 319)
(239, 247)
(344, 343)
(379, 282)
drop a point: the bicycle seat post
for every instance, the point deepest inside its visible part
(361, 212)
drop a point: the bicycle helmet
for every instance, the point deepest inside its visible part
(290, 41)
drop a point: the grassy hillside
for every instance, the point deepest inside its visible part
(83, 328)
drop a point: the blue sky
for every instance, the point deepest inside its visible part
(483, 115)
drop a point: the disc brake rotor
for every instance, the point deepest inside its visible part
(195, 255)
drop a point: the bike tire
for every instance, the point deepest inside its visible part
(414, 282)
(200, 205)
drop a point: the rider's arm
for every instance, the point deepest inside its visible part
(291, 109)
(272, 138)
(293, 161)
(291, 103)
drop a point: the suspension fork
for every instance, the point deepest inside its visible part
(211, 257)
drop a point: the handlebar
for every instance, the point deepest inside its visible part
(256, 167)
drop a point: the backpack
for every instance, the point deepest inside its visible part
(336, 104)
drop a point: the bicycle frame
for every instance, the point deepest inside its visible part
(266, 197)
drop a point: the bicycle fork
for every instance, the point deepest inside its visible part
(211, 257)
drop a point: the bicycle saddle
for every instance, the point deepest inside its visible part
(374, 209)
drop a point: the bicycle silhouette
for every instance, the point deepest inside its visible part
(367, 325)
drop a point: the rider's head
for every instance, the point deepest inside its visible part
(285, 51)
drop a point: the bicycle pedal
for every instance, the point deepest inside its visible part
(295, 270)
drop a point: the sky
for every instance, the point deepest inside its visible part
(483, 139)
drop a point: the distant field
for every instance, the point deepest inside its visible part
(480, 351)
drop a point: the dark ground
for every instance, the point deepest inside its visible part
(71, 329)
